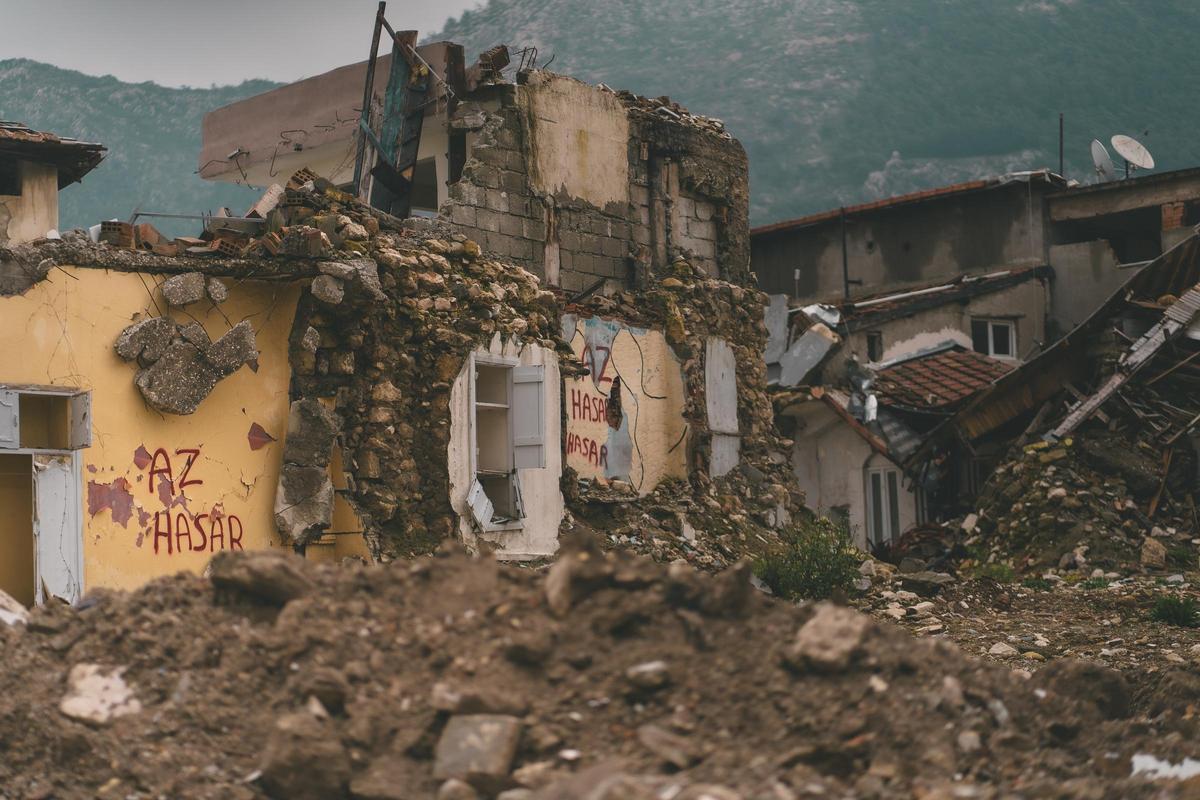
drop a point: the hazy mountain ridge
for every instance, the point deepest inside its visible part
(836, 101)
(840, 102)
(152, 133)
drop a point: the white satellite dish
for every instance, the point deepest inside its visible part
(1134, 152)
(1104, 165)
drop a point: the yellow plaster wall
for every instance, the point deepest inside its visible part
(61, 332)
(651, 441)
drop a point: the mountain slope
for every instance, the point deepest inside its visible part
(152, 133)
(836, 101)
(839, 102)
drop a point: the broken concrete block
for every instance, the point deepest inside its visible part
(186, 373)
(829, 641)
(310, 434)
(303, 502)
(275, 577)
(232, 350)
(477, 745)
(311, 340)
(806, 354)
(183, 290)
(327, 289)
(194, 332)
(146, 340)
(304, 760)
(1154, 554)
(363, 272)
(217, 291)
(97, 696)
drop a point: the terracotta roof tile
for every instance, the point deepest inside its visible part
(939, 379)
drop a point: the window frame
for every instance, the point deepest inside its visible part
(890, 484)
(874, 337)
(78, 408)
(991, 323)
(525, 449)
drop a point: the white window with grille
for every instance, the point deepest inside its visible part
(508, 424)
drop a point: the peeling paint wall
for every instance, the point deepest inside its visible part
(197, 476)
(642, 439)
(540, 492)
(1026, 305)
(579, 140)
(29, 216)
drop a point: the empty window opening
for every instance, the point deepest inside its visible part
(883, 505)
(17, 564)
(425, 187)
(874, 345)
(996, 338)
(506, 436)
(44, 418)
(10, 178)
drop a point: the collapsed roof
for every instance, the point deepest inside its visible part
(71, 157)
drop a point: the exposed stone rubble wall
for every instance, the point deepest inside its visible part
(525, 191)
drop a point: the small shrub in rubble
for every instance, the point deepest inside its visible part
(816, 559)
(1174, 610)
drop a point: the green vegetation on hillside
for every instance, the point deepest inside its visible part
(152, 133)
(836, 101)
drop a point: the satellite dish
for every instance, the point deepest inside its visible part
(1104, 165)
(1133, 151)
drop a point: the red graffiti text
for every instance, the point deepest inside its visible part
(596, 454)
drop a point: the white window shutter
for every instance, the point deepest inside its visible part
(10, 419)
(81, 421)
(481, 505)
(528, 418)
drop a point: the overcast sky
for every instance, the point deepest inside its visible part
(205, 42)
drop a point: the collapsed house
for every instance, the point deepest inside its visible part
(960, 284)
(1107, 420)
(569, 350)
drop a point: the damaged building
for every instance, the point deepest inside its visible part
(947, 289)
(34, 166)
(572, 341)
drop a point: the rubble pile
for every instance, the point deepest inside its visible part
(610, 676)
(389, 357)
(713, 521)
(1079, 505)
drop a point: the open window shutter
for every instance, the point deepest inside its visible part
(57, 527)
(81, 421)
(528, 418)
(10, 419)
(481, 504)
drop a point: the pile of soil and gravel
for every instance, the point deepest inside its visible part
(609, 676)
(1086, 503)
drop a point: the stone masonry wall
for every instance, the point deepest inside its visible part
(687, 196)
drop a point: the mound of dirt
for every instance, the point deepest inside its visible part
(608, 676)
(1086, 503)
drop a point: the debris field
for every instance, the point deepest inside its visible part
(607, 676)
